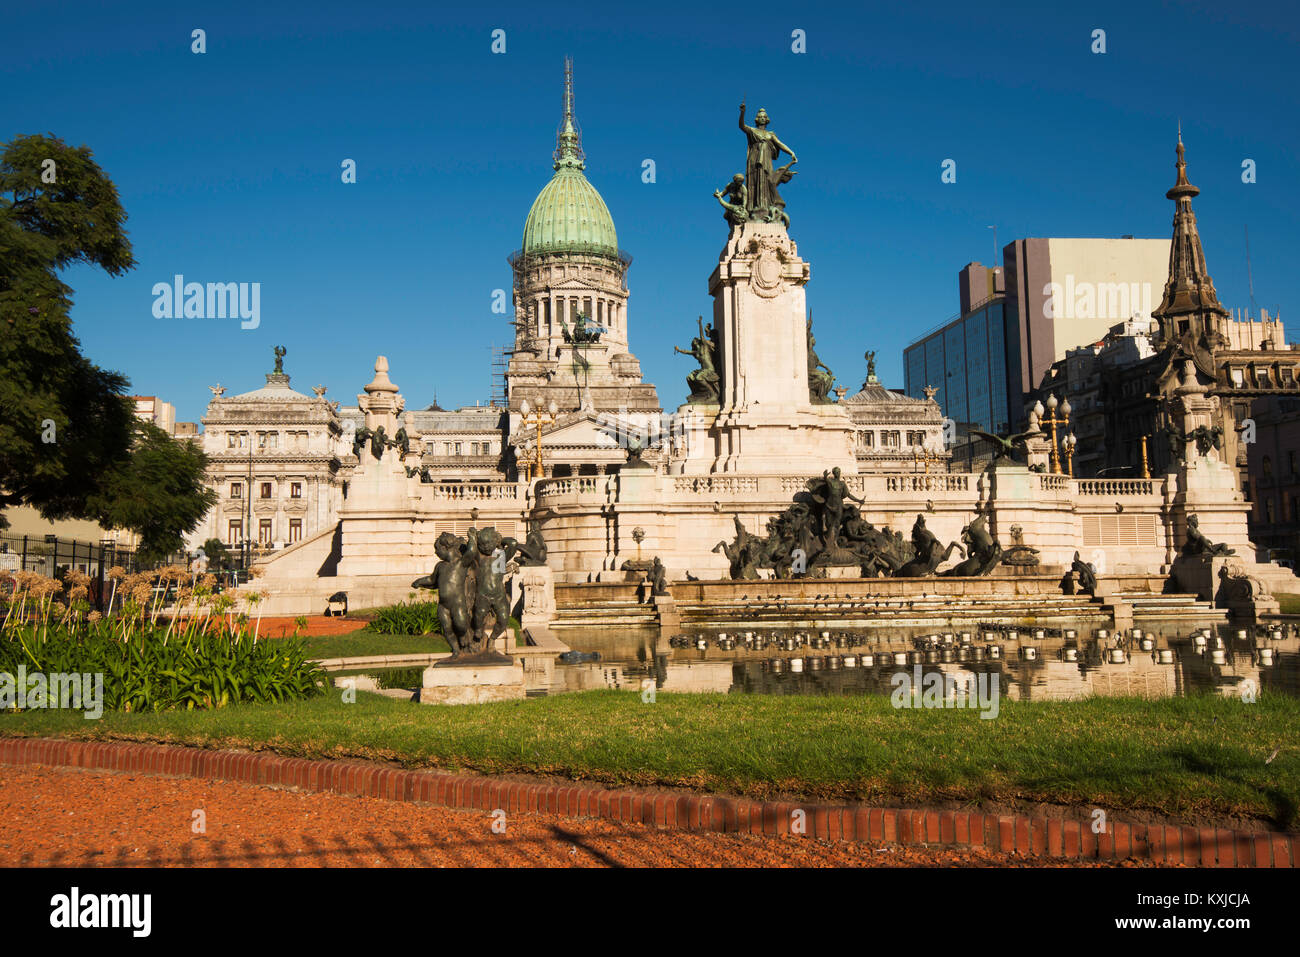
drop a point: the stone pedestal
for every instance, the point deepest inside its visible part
(670, 622)
(538, 584)
(472, 683)
(690, 437)
(765, 419)
(380, 491)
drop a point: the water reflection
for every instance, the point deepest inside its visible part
(1033, 664)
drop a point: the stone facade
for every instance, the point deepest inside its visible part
(893, 432)
(275, 458)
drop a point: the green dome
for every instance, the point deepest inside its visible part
(569, 216)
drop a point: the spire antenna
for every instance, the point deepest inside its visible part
(568, 141)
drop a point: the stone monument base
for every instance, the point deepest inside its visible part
(482, 679)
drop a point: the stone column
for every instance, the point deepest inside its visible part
(767, 420)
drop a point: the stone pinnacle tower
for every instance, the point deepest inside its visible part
(1192, 325)
(1190, 315)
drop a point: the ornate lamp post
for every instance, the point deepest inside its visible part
(1069, 442)
(1053, 420)
(538, 418)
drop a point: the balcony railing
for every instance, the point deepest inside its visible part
(1112, 487)
(475, 492)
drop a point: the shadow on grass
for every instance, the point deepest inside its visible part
(1284, 805)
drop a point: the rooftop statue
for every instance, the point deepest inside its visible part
(762, 201)
(1206, 438)
(736, 210)
(704, 383)
(280, 353)
(1004, 445)
(819, 382)
(584, 332)
(1198, 544)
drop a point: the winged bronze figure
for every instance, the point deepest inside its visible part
(1003, 446)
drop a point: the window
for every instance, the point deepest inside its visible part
(458, 451)
(234, 531)
(473, 448)
(1268, 511)
(916, 438)
(446, 448)
(268, 440)
(295, 530)
(867, 439)
(890, 439)
(236, 440)
(295, 490)
(264, 531)
(1268, 467)
(266, 490)
(1238, 378)
(1290, 462)
(236, 489)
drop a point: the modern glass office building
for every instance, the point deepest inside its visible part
(974, 363)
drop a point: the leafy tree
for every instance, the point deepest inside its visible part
(48, 389)
(215, 549)
(157, 491)
(70, 444)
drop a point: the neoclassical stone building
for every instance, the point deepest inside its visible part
(893, 432)
(275, 458)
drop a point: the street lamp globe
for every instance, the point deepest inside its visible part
(1065, 408)
(524, 407)
(553, 407)
(1051, 404)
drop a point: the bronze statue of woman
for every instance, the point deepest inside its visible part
(764, 147)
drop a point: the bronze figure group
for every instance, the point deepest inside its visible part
(473, 609)
(753, 197)
(822, 528)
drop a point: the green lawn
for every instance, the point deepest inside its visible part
(1183, 757)
(367, 642)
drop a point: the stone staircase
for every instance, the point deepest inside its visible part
(585, 612)
(617, 615)
(817, 612)
(1174, 607)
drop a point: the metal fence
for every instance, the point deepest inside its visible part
(47, 554)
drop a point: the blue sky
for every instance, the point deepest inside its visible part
(228, 163)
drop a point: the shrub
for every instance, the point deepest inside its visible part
(208, 659)
(407, 618)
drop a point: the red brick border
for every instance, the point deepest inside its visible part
(1013, 834)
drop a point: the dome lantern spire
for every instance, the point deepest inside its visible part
(568, 141)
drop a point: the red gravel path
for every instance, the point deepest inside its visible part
(80, 818)
(316, 625)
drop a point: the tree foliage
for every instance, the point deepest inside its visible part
(157, 491)
(70, 444)
(48, 389)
